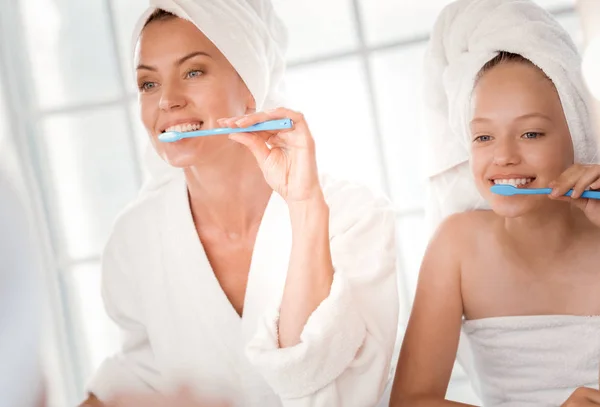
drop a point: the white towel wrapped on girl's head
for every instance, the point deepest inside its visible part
(467, 35)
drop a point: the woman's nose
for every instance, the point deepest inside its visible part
(171, 98)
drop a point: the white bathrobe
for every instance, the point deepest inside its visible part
(179, 326)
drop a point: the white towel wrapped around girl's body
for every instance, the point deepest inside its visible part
(533, 359)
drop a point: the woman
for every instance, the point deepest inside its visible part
(521, 279)
(250, 297)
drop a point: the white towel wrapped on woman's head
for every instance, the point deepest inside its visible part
(251, 37)
(467, 35)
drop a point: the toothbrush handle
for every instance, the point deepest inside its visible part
(265, 126)
(538, 191)
(591, 194)
(586, 194)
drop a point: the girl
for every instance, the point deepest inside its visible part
(522, 279)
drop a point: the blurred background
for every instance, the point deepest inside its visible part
(70, 133)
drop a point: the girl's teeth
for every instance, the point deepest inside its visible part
(514, 182)
(183, 128)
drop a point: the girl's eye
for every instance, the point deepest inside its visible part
(481, 139)
(532, 135)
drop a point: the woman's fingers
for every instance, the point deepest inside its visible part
(275, 114)
(263, 116)
(297, 137)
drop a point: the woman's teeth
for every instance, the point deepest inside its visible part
(183, 128)
(516, 182)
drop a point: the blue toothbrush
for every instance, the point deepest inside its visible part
(282, 124)
(509, 190)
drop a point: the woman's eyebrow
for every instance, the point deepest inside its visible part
(179, 61)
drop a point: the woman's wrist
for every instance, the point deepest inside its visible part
(309, 212)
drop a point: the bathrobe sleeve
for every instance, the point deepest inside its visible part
(346, 346)
(133, 367)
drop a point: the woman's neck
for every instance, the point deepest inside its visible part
(230, 194)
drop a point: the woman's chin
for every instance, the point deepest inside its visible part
(189, 152)
(180, 160)
(181, 154)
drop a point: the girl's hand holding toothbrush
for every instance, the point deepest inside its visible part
(579, 178)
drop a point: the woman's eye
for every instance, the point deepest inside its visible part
(146, 86)
(194, 74)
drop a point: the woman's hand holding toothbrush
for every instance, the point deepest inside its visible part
(286, 157)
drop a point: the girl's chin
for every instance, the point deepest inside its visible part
(515, 206)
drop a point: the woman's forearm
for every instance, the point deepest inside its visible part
(310, 271)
